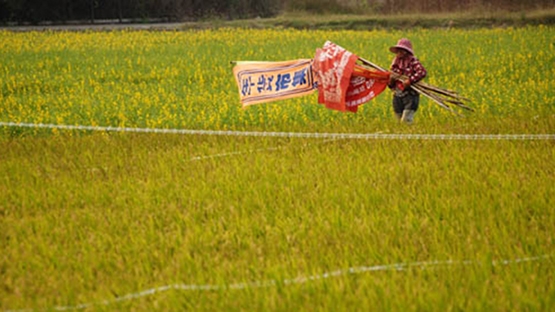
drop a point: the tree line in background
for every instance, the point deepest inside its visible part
(33, 11)
(62, 11)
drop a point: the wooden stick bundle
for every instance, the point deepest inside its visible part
(442, 97)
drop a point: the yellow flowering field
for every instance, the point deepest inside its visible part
(184, 80)
(124, 221)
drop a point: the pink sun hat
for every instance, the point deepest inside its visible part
(404, 44)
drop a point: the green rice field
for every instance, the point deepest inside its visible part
(158, 220)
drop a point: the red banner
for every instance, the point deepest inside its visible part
(333, 66)
(365, 85)
(343, 85)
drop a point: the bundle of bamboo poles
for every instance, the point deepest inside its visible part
(442, 97)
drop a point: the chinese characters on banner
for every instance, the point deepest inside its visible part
(365, 84)
(342, 84)
(334, 66)
(260, 82)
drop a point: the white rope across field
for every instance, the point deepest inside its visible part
(297, 281)
(367, 136)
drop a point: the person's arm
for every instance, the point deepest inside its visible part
(394, 74)
(418, 73)
(393, 77)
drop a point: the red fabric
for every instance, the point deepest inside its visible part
(362, 90)
(343, 85)
(334, 67)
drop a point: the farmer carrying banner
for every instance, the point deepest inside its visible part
(406, 70)
(344, 81)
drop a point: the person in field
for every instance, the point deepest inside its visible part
(405, 70)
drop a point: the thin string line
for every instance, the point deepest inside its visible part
(367, 136)
(404, 266)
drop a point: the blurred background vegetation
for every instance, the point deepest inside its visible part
(125, 11)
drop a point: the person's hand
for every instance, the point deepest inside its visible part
(393, 76)
(391, 80)
(406, 83)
